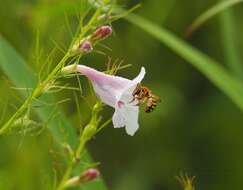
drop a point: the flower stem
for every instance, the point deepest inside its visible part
(87, 134)
(68, 172)
(16, 115)
(38, 91)
(41, 87)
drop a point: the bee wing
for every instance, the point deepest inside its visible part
(156, 98)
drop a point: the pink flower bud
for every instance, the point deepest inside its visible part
(86, 176)
(90, 175)
(101, 33)
(86, 46)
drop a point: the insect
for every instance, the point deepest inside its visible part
(144, 95)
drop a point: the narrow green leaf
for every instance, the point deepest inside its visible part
(21, 75)
(205, 16)
(229, 39)
(206, 65)
(15, 68)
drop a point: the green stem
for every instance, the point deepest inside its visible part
(80, 148)
(104, 125)
(40, 89)
(16, 115)
(87, 134)
(66, 176)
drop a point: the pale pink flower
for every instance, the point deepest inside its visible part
(116, 92)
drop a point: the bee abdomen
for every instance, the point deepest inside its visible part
(150, 108)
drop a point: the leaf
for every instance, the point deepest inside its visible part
(213, 11)
(15, 68)
(229, 40)
(206, 65)
(21, 75)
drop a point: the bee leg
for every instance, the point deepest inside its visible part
(132, 100)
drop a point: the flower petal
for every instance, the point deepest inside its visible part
(106, 94)
(126, 95)
(116, 92)
(118, 119)
(131, 119)
(101, 78)
(107, 87)
(126, 116)
(139, 78)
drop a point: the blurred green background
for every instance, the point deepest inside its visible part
(195, 129)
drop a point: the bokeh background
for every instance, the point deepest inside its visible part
(196, 129)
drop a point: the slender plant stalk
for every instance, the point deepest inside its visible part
(65, 177)
(40, 89)
(89, 131)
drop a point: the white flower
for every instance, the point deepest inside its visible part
(116, 92)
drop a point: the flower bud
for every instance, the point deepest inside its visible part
(86, 46)
(83, 46)
(69, 69)
(89, 131)
(101, 33)
(90, 175)
(86, 176)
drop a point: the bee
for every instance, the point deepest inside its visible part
(144, 95)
